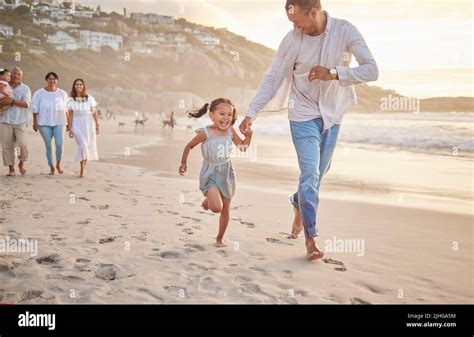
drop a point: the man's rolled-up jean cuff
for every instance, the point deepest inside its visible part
(310, 232)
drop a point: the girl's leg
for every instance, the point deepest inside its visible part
(223, 222)
(46, 133)
(214, 200)
(58, 132)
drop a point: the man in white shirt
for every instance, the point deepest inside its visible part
(312, 66)
(13, 124)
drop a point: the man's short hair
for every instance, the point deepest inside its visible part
(305, 5)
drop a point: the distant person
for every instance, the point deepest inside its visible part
(49, 106)
(171, 121)
(13, 123)
(313, 64)
(83, 124)
(217, 179)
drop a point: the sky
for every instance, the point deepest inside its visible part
(423, 47)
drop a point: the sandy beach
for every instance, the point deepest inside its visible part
(396, 227)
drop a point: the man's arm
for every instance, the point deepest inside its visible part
(367, 70)
(265, 91)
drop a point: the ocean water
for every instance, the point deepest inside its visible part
(427, 132)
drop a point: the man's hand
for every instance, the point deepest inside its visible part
(246, 125)
(35, 126)
(319, 73)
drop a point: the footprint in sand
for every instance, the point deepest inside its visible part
(100, 207)
(115, 215)
(49, 259)
(142, 237)
(6, 272)
(180, 224)
(222, 253)
(191, 218)
(84, 198)
(170, 255)
(198, 266)
(196, 227)
(248, 224)
(28, 295)
(341, 265)
(170, 212)
(150, 293)
(273, 240)
(260, 270)
(187, 231)
(84, 222)
(106, 272)
(107, 240)
(356, 300)
(38, 216)
(207, 283)
(197, 247)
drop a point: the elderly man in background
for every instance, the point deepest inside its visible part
(13, 124)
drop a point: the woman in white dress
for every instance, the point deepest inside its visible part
(83, 124)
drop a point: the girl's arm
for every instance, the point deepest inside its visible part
(242, 145)
(199, 138)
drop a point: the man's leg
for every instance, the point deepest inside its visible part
(21, 141)
(307, 138)
(8, 150)
(327, 147)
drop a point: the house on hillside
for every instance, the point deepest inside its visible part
(62, 41)
(96, 40)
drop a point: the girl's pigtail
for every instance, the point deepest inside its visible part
(199, 113)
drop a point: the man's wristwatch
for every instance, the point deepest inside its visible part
(333, 73)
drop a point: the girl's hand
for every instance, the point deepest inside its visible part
(97, 129)
(71, 135)
(182, 169)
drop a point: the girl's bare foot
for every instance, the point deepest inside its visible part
(297, 226)
(205, 205)
(312, 251)
(52, 170)
(220, 243)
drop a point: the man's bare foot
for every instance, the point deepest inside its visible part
(312, 251)
(58, 167)
(52, 170)
(297, 226)
(220, 243)
(11, 173)
(21, 167)
(205, 205)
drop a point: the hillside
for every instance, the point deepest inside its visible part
(129, 81)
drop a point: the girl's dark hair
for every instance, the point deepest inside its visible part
(73, 90)
(212, 107)
(4, 71)
(51, 73)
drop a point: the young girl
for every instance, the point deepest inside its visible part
(217, 179)
(5, 88)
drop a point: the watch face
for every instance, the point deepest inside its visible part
(333, 72)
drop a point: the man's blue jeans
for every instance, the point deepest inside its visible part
(48, 133)
(314, 149)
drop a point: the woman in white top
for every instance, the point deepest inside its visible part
(83, 124)
(49, 106)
